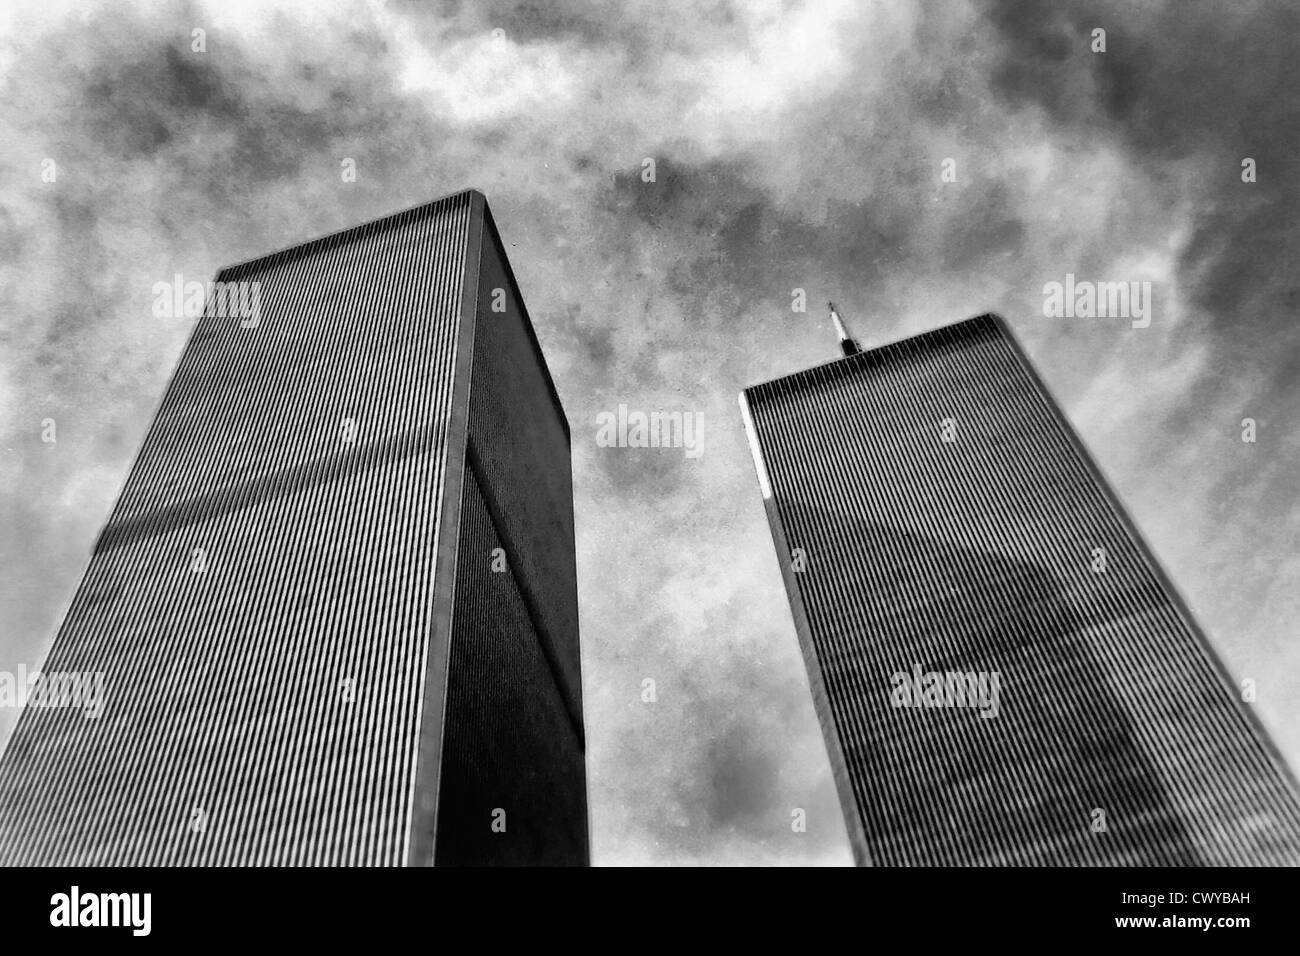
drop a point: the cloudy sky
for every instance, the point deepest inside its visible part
(795, 146)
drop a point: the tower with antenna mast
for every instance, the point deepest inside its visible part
(847, 345)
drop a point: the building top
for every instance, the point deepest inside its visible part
(847, 345)
(479, 206)
(856, 360)
(330, 239)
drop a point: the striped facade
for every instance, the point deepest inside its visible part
(311, 648)
(934, 514)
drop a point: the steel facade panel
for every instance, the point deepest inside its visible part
(975, 556)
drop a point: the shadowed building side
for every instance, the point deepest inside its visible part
(933, 513)
(273, 599)
(1012, 787)
(513, 752)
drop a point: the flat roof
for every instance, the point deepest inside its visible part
(986, 322)
(330, 240)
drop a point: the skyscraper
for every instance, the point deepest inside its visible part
(1001, 672)
(335, 605)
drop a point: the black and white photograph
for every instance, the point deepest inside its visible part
(692, 434)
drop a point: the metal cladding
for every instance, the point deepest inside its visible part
(514, 742)
(273, 599)
(1002, 673)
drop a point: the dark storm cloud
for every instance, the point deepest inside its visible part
(134, 106)
(645, 474)
(986, 229)
(1210, 85)
(718, 233)
(643, 35)
(1186, 92)
(531, 20)
(708, 764)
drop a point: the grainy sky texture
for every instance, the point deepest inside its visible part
(796, 146)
